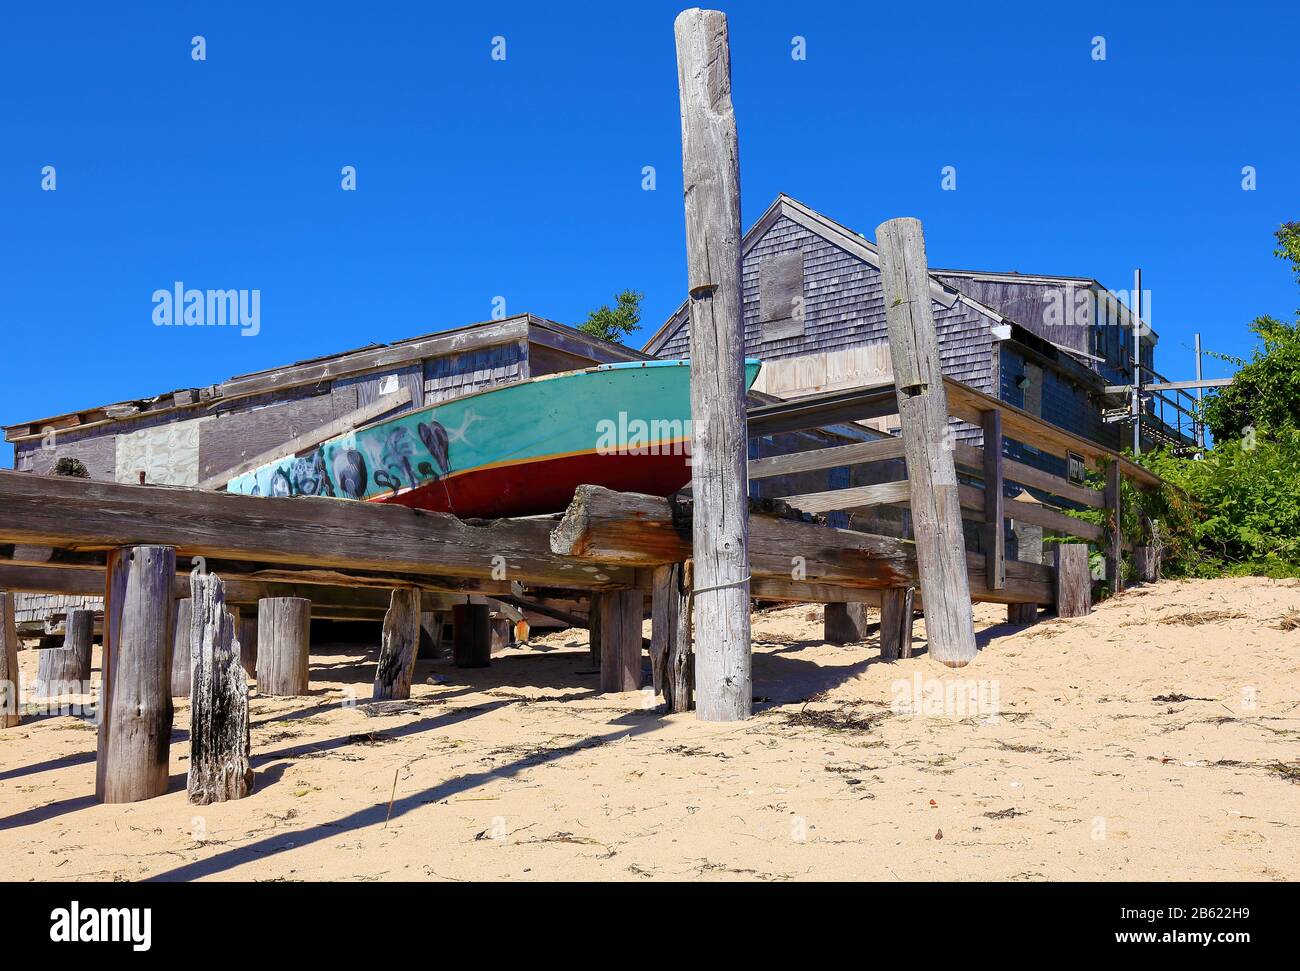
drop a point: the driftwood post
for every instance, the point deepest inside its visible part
(896, 609)
(219, 747)
(845, 623)
(995, 546)
(711, 170)
(620, 640)
(181, 676)
(10, 703)
(1073, 580)
(136, 705)
(399, 645)
(66, 670)
(931, 472)
(283, 645)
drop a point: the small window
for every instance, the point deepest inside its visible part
(780, 295)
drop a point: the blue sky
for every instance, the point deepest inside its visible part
(522, 178)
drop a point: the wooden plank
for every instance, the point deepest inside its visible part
(856, 453)
(711, 182)
(828, 408)
(971, 458)
(923, 411)
(856, 497)
(620, 640)
(972, 500)
(351, 537)
(1073, 580)
(308, 440)
(995, 552)
(896, 617)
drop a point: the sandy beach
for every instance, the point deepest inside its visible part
(1157, 739)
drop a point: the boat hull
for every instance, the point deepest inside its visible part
(520, 449)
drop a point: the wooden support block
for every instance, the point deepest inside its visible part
(472, 646)
(248, 642)
(181, 676)
(1073, 580)
(1146, 561)
(219, 726)
(283, 645)
(593, 628)
(1115, 535)
(845, 623)
(995, 552)
(670, 635)
(620, 640)
(711, 182)
(10, 703)
(66, 670)
(1022, 614)
(896, 615)
(927, 441)
(501, 633)
(135, 723)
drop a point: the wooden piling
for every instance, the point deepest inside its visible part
(711, 179)
(1114, 498)
(247, 631)
(995, 545)
(845, 623)
(399, 646)
(1022, 614)
(219, 725)
(283, 645)
(181, 676)
(897, 608)
(1146, 563)
(66, 670)
(136, 706)
(1073, 580)
(620, 640)
(593, 629)
(10, 702)
(927, 442)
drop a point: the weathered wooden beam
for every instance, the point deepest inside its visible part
(10, 702)
(399, 644)
(791, 559)
(923, 412)
(136, 706)
(897, 609)
(855, 497)
(820, 410)
(711, 180)
(283, 645)
(344, 423)
(972, 500)
(814, 460)
(219, 727)
(620, 640)
(971, 458)
(349, 537)
(1073, 580)
(995, 551)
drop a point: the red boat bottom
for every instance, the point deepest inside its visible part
(544, 486)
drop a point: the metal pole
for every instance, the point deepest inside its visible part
(1137, 362)
(1200, 420)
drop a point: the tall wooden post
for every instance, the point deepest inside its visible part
(1114, 498)
(219, 744)
(995, 546)
(10, 702)
(181, 646)
(927, 442)
(135, 722)
(620, 640)
(711, 178)
(283, 645)
(399, 645)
